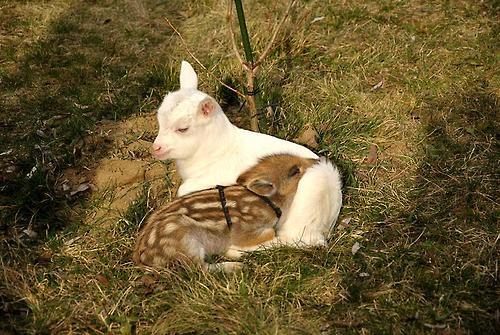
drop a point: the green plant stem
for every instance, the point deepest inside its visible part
(244, 32)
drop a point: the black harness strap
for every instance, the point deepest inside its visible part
(222, 198)
(271, 204)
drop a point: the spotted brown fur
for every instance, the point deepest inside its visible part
(193, 226)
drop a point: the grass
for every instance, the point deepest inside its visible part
(79, 84)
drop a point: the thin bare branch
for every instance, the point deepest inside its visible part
(270, 44)
(199, 63)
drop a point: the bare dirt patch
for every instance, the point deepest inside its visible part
(123, 171)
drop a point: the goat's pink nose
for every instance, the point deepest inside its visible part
(156, 148)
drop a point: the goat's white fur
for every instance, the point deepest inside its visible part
(188, 81)
(320, 190)
(212, 151)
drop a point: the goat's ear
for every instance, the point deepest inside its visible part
(262, 187)
(188, 77)
(207, 107)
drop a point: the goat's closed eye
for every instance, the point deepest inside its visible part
(182, 130)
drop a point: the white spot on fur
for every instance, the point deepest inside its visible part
(182, 211)
(212, 224)
(170, 228)
(205, 205)
(152, 238)
(231, 204)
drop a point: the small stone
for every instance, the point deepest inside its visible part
(355, 248)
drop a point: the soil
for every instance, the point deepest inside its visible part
(123, 171)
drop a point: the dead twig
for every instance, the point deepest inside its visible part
(275, 34)
(198, 61)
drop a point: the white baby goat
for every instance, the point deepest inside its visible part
(208, 150)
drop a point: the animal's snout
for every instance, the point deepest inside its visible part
(156, 148)
(159, 150)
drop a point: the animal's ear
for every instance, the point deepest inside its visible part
(262, 187)
(188, 77)
(207, 107)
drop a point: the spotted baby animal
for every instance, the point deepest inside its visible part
(213, 221)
